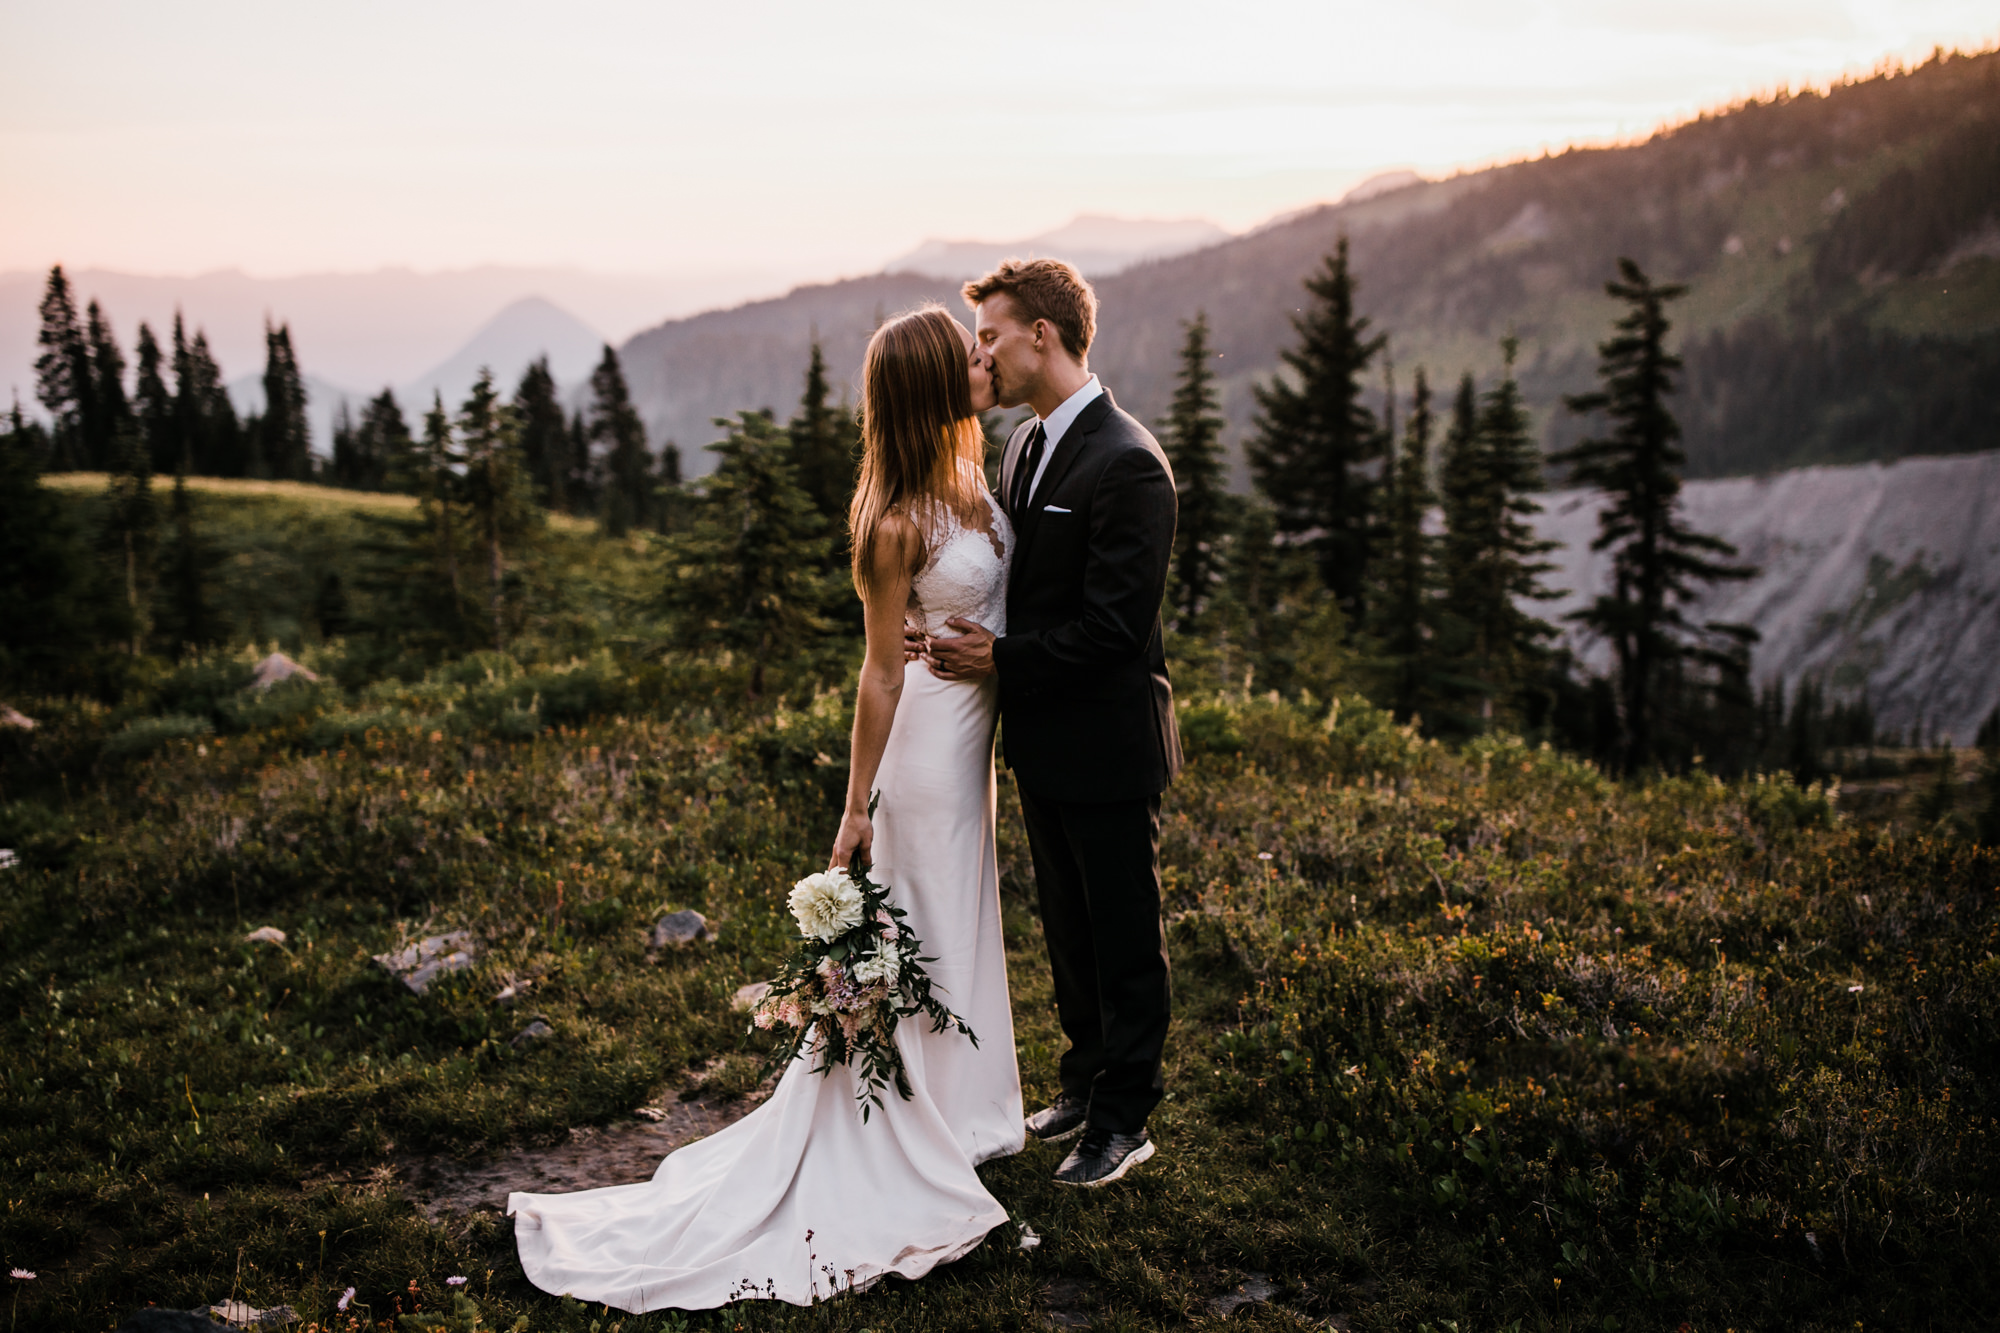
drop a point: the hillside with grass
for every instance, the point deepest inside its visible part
(1466, 1035)
(1842, 252)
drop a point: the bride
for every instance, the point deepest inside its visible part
(730, 1216)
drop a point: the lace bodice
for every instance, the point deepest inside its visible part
(965, 572)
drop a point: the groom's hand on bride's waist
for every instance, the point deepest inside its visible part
(969, 656)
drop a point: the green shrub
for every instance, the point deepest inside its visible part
(150, 733)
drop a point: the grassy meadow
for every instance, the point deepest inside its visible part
(1466, 1038)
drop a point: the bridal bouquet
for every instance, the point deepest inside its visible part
(856, 972)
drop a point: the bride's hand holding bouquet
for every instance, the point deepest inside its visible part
(856, 971)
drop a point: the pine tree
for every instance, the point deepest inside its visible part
(825, 451)
(385, 454)
(581, 482)
(210, 438)
(63, 378)
(1404, 610)
(750, 572)
(154, 405)
(285, 442)
(1490, 557)
(1316, 440)
(41, 623)
(188, 619)
(130, 530)
(1194, 451)
(544, 435)
(438, 493)
(343, 464)
(108, 413)
(498, 492)
(1657, 560)
(628, 471)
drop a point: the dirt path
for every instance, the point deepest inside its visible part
(619, 1154)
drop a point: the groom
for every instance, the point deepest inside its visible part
(1087, 715)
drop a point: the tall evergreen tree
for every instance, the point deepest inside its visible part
(41, 618)
(750, 572)
(544, 435)
(63, 378)
(438, 493)
(130, 531)
(825, 450)
(108, 415)
(1404, 610)
(1492, 561)
(1658, 562)
(581, 483)
(1317, 442)
(499, 494)
(285, 442)
(1194, 450)
(154, 405)
(188, 619)
(628, 470)
(210, 437)
(343, 465)
(385, 455)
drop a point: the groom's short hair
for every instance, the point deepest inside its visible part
(1044, 289)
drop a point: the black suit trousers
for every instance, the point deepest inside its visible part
(1097, 872)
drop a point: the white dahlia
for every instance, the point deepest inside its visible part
(826, 905)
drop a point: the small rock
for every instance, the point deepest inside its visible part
(238, 1314)
(535, 1031)
(1254, 1289)
(426, 960)
(265, 935)
(679, 929)
(9, 717)
(278, 667)
(1029, 1240)
(750, 996)
(652, 1113)
(158, 1319)
(514, 990)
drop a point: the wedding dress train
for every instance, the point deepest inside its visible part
(801, 1198)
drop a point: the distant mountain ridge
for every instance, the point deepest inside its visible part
(1822, 324)
(1098, 246)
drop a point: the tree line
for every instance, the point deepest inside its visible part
(1388, 544)
(1402, 555)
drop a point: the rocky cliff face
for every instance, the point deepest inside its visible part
(1881, 577)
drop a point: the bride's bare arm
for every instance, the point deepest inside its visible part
(898, 551)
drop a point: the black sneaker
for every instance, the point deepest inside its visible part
(1061, 1120)
(1102, 1157)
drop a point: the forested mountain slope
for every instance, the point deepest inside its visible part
(1842, 249)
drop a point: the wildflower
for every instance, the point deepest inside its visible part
(1263, 856)
(22, 1275)
(1855, 989)
(346, 1297)
(8, 859)
(454, 1282)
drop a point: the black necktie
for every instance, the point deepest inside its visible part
(1024, 474)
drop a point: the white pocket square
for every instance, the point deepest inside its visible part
(1054, 509)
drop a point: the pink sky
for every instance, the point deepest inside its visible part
(812, 139)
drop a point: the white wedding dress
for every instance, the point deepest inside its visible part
(729, 1216)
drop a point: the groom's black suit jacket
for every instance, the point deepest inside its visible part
(1086, 711)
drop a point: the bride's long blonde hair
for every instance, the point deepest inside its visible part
(918, 430)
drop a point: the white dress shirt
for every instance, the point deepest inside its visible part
(1056, 425)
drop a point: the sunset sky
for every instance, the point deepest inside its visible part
(822, 138)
